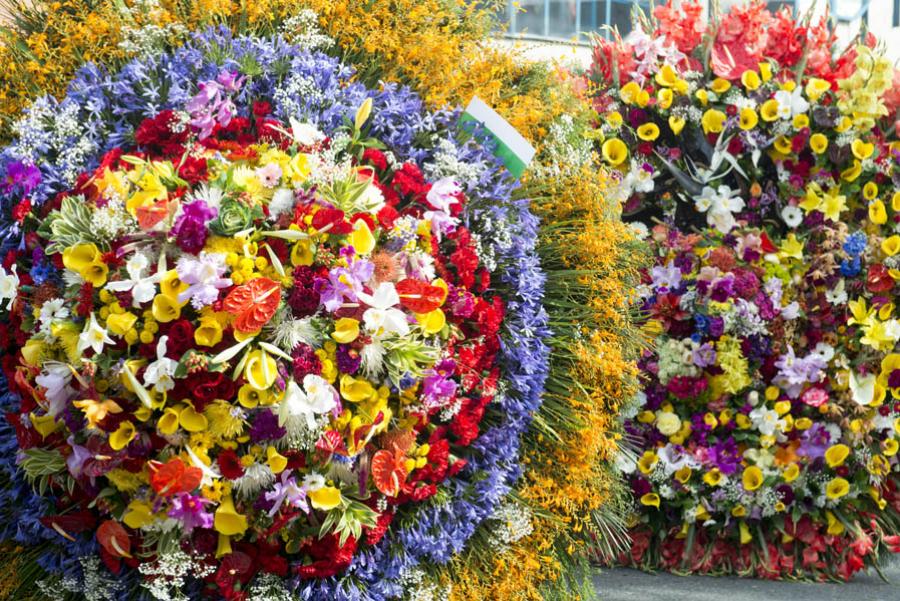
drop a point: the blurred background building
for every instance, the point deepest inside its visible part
(562, 28)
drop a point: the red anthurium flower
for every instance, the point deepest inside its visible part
(419, 296)
(174, 477)
(879, 279)
(389, 471)
(254, 303)
(112, 536)
(331, 221)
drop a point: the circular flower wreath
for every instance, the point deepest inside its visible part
(770, 424)
(267, 330)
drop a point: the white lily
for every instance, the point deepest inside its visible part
(159, 373)
(382, 317)
(9, 286)
(93, 337)
(143, 289)
(315, 398)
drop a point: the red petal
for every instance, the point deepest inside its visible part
(419, 296)
(113, 537)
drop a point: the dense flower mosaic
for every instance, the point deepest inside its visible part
(762, 166)
(271, 332)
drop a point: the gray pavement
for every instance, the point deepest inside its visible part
(632, 585)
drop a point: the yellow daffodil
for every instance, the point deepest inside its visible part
(800, 121)
(614, 119)
(791, 472)
(302, 253)
(783, 144)
(630, 92)
(165, 309)
(120, 323)
(720, 85)
(815, 87)
(738, 511)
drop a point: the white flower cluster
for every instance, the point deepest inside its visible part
(165, 577)
(417, 587)
(57, 130)
(303, 30)
(270, 587)
(295, 89)
(95, 586)
(513, 523)
(675, 360)
(112, 221)
(565, 148)
(447, 164)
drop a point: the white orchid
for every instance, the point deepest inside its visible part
(9, 286)
(315, 398)
(93, 337)
(382, 317)
(159, 374)
(791, 103)
(719, 204)
(305, 133)
(142, 288)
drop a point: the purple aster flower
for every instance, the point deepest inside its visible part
(794, 372)
(190, 510)
(190, 228)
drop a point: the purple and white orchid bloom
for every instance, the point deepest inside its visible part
(443, 194)
(204, 278)
(160, 374)
(287, 491)
(345, 283)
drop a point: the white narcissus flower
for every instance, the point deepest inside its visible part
(159, 374)
(143, 289)
(9, 286)
(93, 337)
(719, 204)
(382, 317)
(766, 420)
(315, 398)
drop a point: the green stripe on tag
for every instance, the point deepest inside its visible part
(512, 148)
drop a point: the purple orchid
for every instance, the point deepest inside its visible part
(344, 283)
(287, 491)
(437, 387)
(190, 228)
(190, 511)
(204, 278)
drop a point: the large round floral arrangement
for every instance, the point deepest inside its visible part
(764, 171)
(269, 333)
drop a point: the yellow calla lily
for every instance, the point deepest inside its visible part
(191, 420)
(44, 424)
(346, 330)
(227, 520)
(165, 308)
(261, 370)
(325, 498)
(614, 151)
(356, 390)
(676, 124)
(138, 514)
(836, 455)
(120, 323)
(362, 239)
(432, 322)
(277, 462)
(123, 435)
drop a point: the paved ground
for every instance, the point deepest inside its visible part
(632, 585)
